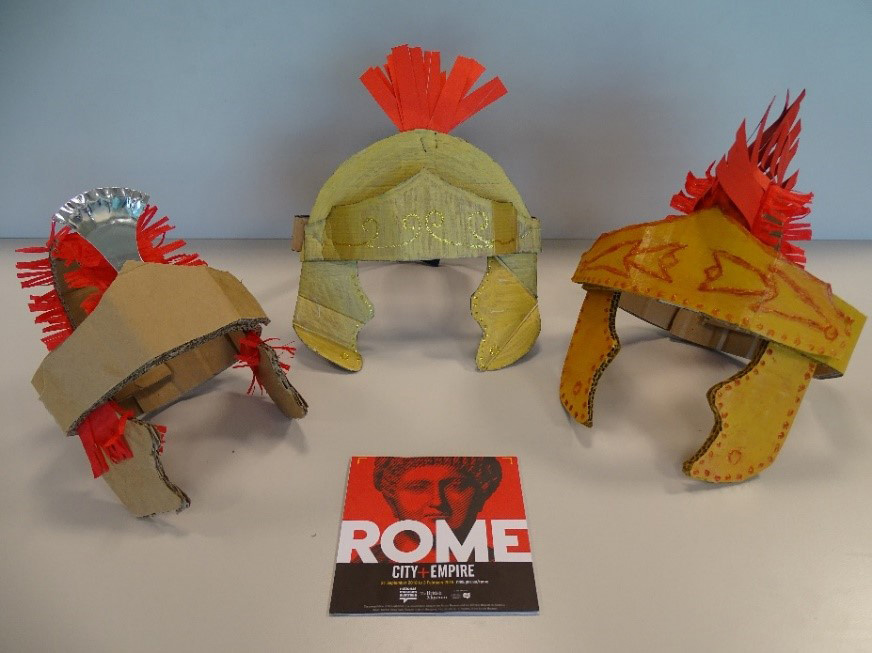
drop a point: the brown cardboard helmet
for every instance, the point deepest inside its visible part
(131, 325)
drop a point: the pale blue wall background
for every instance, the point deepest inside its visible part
(232, 114)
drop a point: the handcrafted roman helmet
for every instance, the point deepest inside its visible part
(131, 324)
(727, 275)
(420, 195)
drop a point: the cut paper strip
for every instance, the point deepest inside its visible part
(153, 246)
(750, 183)
(416, 94)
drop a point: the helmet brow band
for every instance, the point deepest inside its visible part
(700, 329)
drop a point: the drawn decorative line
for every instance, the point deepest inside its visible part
(769, 293)
(432, 221)
(667, 259)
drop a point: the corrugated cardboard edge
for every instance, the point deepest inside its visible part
(140, 482)
(277, 385)
(240, 325)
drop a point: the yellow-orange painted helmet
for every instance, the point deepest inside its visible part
(726, 275)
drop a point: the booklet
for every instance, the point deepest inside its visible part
(433, 534)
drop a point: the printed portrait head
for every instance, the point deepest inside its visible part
(452, 489)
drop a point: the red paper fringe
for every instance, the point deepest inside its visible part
(50, 312)
(102, 434)
(152, 243)
(89, 269)
(249, 356)
(162, 434)
(415, 93)
(751, 183)
(48, 307)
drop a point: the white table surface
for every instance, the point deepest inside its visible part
(629, 554)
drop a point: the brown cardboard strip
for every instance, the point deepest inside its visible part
(277, 385)
(298, 235)
(174, 376)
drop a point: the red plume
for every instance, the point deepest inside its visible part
(751, 183)
(153, 245)
(415, 93)
(88, 269)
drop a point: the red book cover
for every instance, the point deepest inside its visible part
(433, 534)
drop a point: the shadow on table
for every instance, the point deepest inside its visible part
(204, 433)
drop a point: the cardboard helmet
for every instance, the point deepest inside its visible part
(726, 275)
(131, 324)
(420, 195)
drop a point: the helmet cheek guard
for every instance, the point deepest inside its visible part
(419, 195)
(127, 342)
(709, 279)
